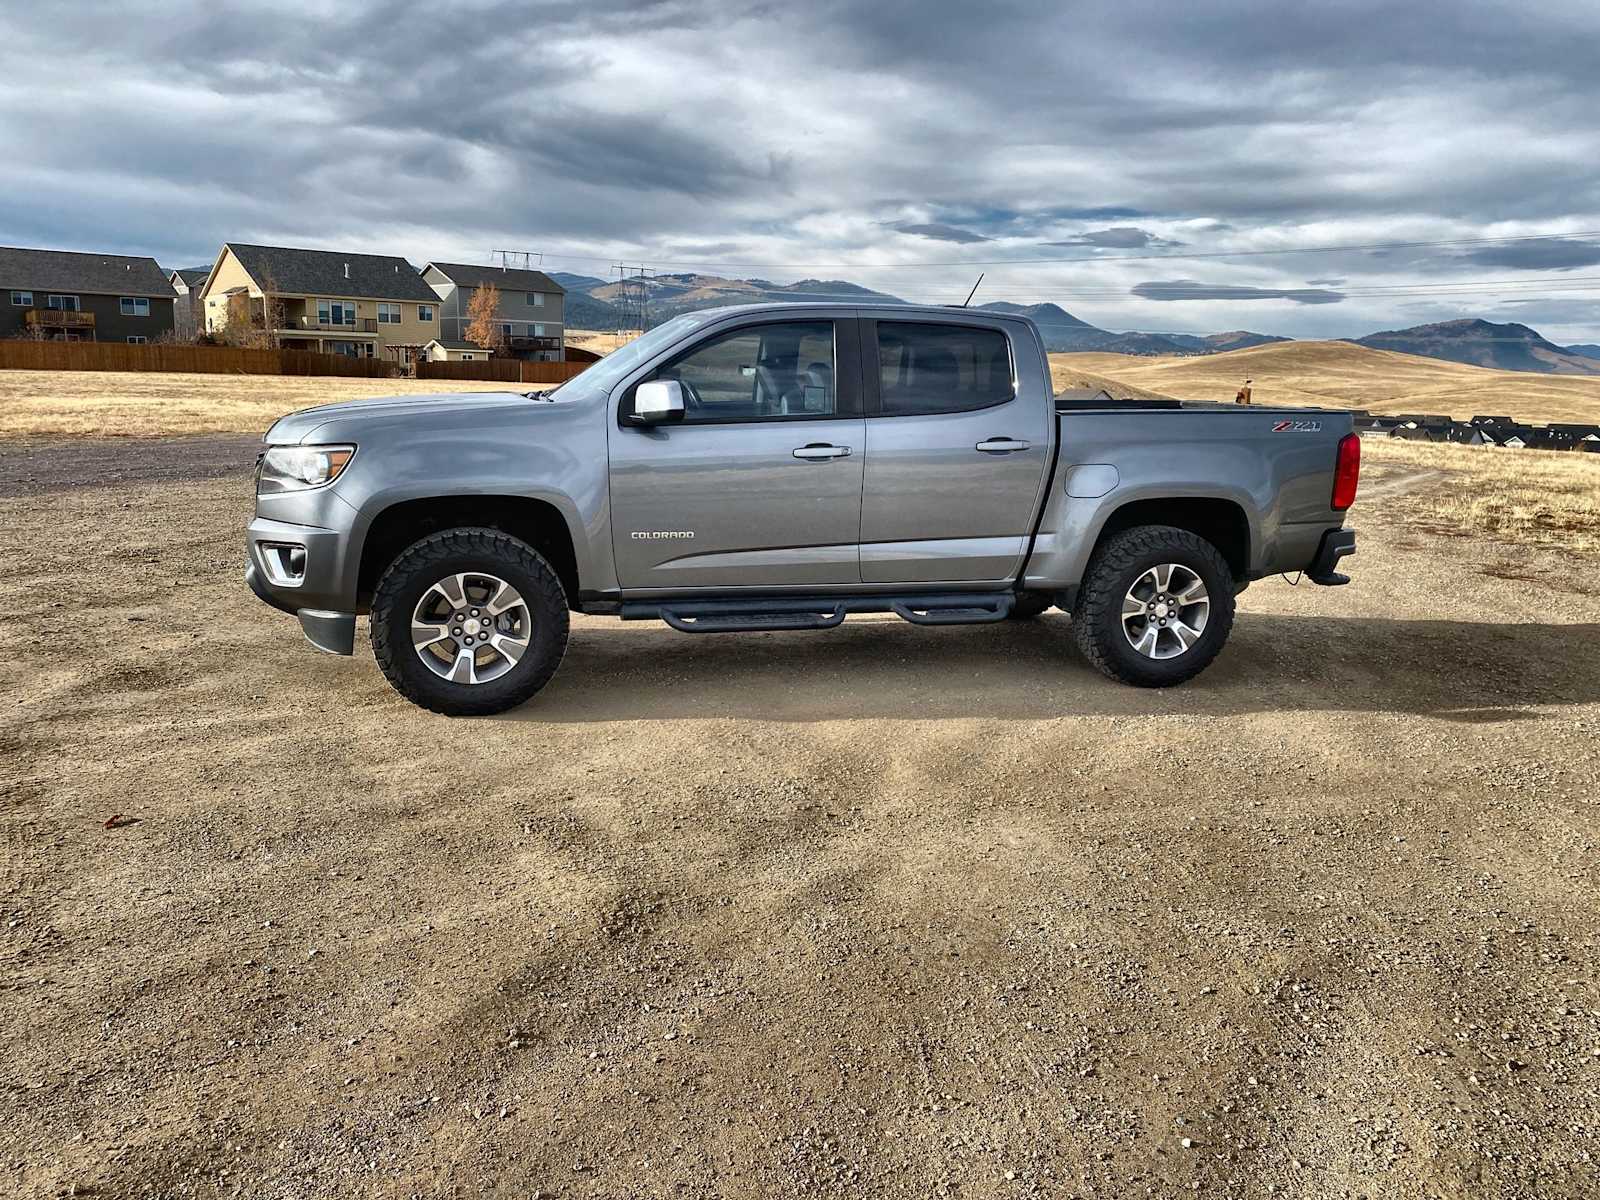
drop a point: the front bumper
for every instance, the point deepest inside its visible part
(333, 632)
(317, 595)
(1336, 544)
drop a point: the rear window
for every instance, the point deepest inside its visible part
(924, 369)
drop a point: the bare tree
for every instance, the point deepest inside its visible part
(483, 312)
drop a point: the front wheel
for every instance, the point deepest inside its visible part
(469, 622)
(1155, 607)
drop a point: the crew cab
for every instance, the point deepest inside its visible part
(779, 467)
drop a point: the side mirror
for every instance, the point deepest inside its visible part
(657, 402)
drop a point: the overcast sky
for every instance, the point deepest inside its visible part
(861, 141)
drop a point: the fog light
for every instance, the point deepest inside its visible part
(284, 564)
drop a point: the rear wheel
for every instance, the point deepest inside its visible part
(469, 622)
(1155, 607)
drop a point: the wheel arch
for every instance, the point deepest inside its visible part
(538, 522)
(1220, 521)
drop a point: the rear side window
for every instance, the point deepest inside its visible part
(924, 369)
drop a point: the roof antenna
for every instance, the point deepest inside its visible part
(973, 292)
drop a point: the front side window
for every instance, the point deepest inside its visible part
(22, 299)
(466, 358)
(424, 312)
(388, 314)
(538, 331)
(137, 339)
(761, 373)
(508, 330)
(64, 303)
(536, 299)
(929, 369)
(135, 306)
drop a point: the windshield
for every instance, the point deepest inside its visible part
(605, 374)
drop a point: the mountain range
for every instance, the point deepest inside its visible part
(1485, 344)
(602, 304)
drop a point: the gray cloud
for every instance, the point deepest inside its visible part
(940, 233)
(1118, 237)
(710, 133)
(1539, 254)
(1192, 289)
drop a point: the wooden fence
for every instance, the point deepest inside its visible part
(22, 355)
(506, 370)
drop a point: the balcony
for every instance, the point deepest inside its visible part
(533, 343)
(311, 324)
(58, 318)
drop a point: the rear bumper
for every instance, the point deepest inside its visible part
(1336, 544)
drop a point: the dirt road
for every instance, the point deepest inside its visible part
(888, 911)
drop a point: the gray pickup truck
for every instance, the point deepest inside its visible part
(778, 467)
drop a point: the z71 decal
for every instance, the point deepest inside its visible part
(1297, 427)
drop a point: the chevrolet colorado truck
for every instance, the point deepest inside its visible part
(779, 467)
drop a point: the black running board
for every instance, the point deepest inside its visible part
(760, 614)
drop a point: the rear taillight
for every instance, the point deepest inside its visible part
(1346, 472)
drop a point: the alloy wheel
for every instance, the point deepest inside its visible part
(471, 628)
(1165, 611)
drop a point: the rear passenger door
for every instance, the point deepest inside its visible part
(957, 450)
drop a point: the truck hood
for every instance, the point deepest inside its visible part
(349, 415)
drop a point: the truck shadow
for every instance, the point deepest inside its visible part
(1474, 673)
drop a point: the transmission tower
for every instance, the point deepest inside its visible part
(633, 294)
(527, 260)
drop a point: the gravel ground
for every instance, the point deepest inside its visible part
(886, 911)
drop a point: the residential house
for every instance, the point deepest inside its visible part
(1489, 420)
(362, 305)
(1517, 437)
(1467, 434)
(530, 312)
(187, 315)
(65, 295)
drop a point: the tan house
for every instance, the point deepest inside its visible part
(363, 305)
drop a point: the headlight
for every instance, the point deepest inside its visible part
(297, 468)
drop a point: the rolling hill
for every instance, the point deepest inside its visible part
(1484, 344)
(1348, 375)
(607, 304)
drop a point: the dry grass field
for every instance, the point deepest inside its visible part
(1526, 497)
(1341, 375)
(156, 404)
(599, 342)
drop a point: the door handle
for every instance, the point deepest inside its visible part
(1002, 445)
(821, 450)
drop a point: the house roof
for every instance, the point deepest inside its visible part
(333, 273)
(71, 272)
(508, 279)
(455, 344)
(191, 275)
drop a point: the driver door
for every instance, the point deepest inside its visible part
(759, 485)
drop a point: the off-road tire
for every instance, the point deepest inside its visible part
(440, 554)
(1027, 606)
(1097, 616)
